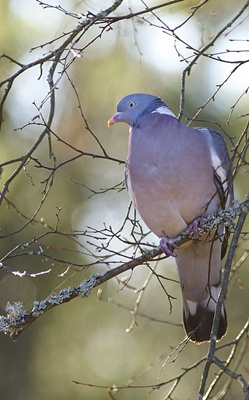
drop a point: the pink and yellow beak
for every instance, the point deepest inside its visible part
(113, 119)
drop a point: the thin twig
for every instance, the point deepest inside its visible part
(221, 298)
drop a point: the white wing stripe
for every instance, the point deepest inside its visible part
(221, 172)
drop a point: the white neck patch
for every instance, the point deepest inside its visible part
(164, 110)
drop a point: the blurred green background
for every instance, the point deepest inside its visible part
(86, 340)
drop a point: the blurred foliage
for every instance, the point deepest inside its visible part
(86, 340)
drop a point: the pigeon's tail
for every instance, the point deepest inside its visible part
(198, 317)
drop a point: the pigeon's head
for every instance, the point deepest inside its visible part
(130, 108)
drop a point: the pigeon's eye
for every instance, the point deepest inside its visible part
(132, 104)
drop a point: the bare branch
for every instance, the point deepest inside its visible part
(202, 51)
(19, 319)
(227, 268)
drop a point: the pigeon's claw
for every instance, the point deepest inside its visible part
(199, 221)
(166, 244)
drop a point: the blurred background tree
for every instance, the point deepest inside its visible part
(63, 214)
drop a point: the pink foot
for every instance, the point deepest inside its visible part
(199, 221)
(165, 243)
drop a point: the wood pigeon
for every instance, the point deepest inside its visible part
(176, 175)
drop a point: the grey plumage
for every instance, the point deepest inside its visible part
(175, 174)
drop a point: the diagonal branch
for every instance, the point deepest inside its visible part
(18, 319)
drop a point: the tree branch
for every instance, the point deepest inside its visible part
(201, 52)
(18, 319)
(227, 268)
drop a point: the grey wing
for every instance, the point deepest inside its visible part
(222, 173)
(221, 165)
